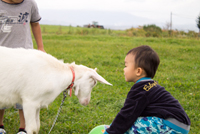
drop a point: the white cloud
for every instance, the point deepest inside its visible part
(184, 11)
(147, 6)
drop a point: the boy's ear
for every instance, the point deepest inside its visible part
(139, 71)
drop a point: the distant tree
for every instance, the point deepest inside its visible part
(167, 26)
(152, 30)
(198, 22)
(192, 34)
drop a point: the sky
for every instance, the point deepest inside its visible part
(121, 14)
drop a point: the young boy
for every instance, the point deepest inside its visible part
(16, 16)
(148, 108)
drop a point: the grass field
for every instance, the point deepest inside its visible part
(178, 72)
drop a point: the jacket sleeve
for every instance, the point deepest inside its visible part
(132, 109)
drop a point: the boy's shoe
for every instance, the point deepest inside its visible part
(2, 131)
(20, 132)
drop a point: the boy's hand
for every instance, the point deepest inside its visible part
(41, 49)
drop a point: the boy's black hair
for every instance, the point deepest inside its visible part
(146, 58)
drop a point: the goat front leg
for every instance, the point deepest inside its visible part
(38, 119)
(30, 118)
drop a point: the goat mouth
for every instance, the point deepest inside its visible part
(84, 102)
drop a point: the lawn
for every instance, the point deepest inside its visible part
(178, 72)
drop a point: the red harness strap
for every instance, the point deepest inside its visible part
(71, 85)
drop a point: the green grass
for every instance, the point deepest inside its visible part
(178, 72)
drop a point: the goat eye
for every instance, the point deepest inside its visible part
(95, 82)
(74, 88)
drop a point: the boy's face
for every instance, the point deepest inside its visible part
(131, 72)
(130, 69)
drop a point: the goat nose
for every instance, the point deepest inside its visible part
(85, 102)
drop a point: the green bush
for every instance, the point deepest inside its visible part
(152, 30)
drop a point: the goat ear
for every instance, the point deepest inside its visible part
(76, 90)
(99, 78)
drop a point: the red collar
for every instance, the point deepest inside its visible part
(71, 85)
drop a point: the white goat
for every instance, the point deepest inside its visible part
(34, 79)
